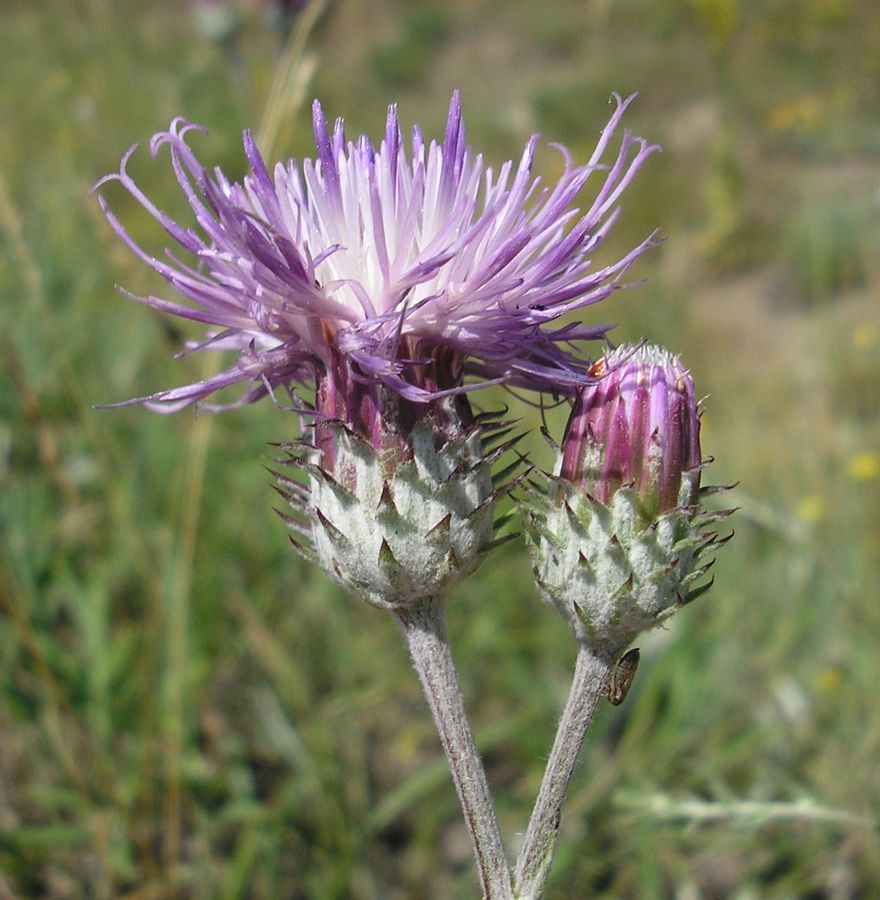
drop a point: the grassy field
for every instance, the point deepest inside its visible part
(186, 710)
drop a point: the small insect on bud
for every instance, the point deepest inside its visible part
(617, 534)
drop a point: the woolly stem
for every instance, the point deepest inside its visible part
(591, 676)
(425, 636)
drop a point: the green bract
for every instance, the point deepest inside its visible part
(611, 572)
(401, 525)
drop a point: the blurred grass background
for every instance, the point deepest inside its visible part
(186, 710)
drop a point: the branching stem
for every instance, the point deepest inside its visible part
(590, 682)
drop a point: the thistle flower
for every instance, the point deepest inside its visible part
(617, 540)
(339, 259)
(384, 281)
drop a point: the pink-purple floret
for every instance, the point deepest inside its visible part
(345, 256)
(638, 424)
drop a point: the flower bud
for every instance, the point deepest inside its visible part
(639, 426)
(617, 535)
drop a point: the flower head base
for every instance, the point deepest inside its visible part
(374, 253)
(617, 535)
(400, 500)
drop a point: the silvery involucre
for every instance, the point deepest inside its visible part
(399, 504)
(617, 533)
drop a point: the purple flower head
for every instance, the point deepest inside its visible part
(383, 261)
(638, 424)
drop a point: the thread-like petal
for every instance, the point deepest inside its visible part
(345, 256)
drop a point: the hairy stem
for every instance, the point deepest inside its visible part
(425, 636)
(590, 682)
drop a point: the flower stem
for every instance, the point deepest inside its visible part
(425, 636)
(591, 675)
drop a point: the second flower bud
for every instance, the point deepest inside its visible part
(617, 535)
